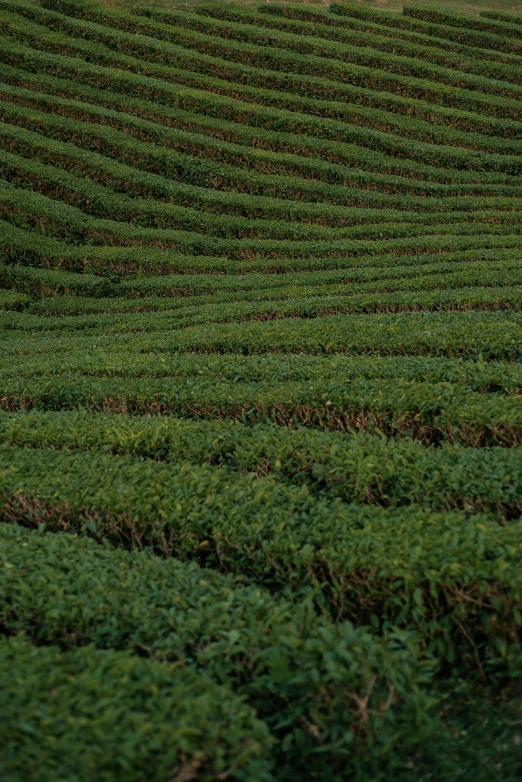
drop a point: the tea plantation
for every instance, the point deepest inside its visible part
(260, 394)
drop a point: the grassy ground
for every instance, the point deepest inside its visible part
(458, 6)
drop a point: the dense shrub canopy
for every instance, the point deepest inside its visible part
(260, 392)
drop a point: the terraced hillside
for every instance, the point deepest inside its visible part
(261, 312)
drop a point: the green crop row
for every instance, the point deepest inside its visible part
(393, 55)
(248, 44)
(104, 714)
(229, 167)
(416, 19)
(425, 334)
(324, 109)
(374, 273)
(28, 248)
(313, 24)
(261, 318)
(276, 140)
(233, 154)
(454, 579)
(354, 467)
(394, 26)
(431, 412)
(267, 117)
(495, 28)
(256, 308)
(46, 282)
(223, 308)
(150, 192)
(225, 298)
(303, 676)
(381, 277)
(25, 208)
(100, 313)
(500, 16)
(100, 200)
(316, 23)
(127, 220)
(239, 297)
(40, 215)
(222, 66)
(465, 334)
(294, 87)
(148, 109)
(34, 111)
(113, 356)
(255, 287)
(32, 248)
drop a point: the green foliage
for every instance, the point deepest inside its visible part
(303, 676)
(87, 714)
(260, 315)
(455, 579)
(360, 468)
(11, 300)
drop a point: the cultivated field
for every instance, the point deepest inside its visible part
(260, 393)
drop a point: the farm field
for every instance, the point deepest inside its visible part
(260, 392)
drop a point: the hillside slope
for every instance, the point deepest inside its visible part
(261, 314)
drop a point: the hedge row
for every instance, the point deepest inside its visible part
(504, 29)
(229, 287)
(182, 141)
(274, 140)
(304, 677)
(500, 16)
(229, 168)
(223, 308)
(453, 579)
(430, 412)
(162, 142)
(223, 84)
(267, 117)
(394, 26)
(40, 215)
(77, 216)
(439, 291)
(45, 282)
(383, 275)
(460, 119)
(431, 334)
(354, 467)
(314, 23)
(229, 290)
(217, 58)
(379, 278)
(164, 75)
(405, 333)
(100, 200)
(19, 247)
(116, 356)
(248, 44)
(419, 21)
(143, 190)
(478, 335)
(91, 714)
(28, 247)
(11, 300)
(28, 209)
